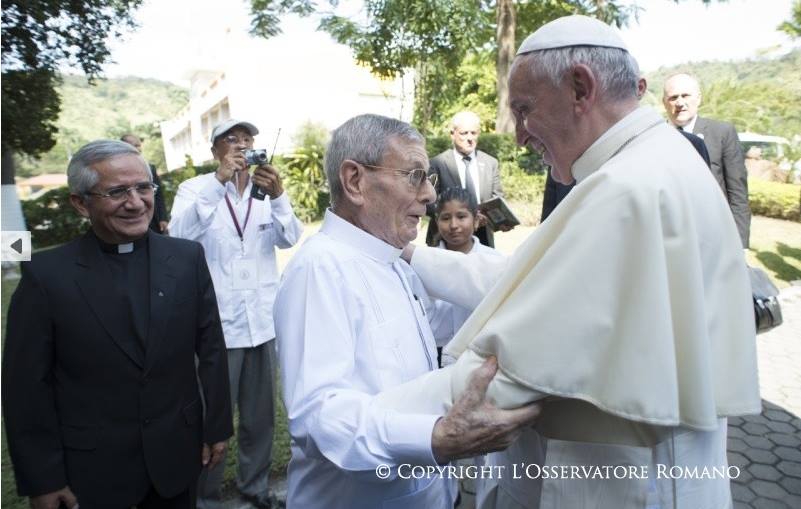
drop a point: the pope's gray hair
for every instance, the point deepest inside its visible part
(616, 70)
(363, 139)
(81, 177)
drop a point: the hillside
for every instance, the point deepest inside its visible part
(108, 109)
(759, 95)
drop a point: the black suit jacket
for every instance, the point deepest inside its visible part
(159, 207)
(728, 167)
(489, 186)
(84, 404)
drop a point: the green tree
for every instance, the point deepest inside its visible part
(39, 36)
(434, 36)
(793, 25)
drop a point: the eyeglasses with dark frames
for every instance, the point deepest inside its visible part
(143, 189)
(416, 177)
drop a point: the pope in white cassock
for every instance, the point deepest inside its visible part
(351, 321)
(627, 312)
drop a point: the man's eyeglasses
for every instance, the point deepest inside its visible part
(232, 139)
(416, 177)
(143, 189)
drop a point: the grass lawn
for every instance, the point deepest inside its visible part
(775, 246)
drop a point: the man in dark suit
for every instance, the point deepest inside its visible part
(100, 393)
(160, 219)
(682, 97)
(556, 192)
(466, 167)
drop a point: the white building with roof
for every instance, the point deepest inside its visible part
(283, 82)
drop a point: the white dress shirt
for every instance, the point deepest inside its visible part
(448, 316)
(350, 321)
(689, 126)
(472, 168)
(200, 213)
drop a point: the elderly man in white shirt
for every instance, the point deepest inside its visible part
(239, 234)
(628, 312)
(351, 322)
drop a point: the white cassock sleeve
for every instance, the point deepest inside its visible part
(456, 277)
(616, 301)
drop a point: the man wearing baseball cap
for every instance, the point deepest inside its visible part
(239, 235)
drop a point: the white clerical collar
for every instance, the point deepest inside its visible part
(613, 140)
(349, 234)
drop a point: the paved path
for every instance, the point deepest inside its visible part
(767, 447)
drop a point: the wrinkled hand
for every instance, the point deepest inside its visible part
(482, 219)
(164, 227)
(229, 164)
(214, 454)
(55, 499)
(474, 425)
(266, 177)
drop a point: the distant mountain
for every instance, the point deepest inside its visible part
(759, 95)
(108, 109)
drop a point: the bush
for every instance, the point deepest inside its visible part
(774, 199)
(502, 147)
(304, 181)
(52, 220)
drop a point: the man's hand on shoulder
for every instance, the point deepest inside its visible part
(55, 500)
(474, 425)
(213, 454)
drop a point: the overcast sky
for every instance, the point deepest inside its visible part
(178, 35)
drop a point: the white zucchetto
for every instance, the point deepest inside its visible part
(572, 31)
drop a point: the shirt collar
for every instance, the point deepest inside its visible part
(460, 157)
(230, 188)
(689, 126)
(612, 140)
(124, 248)
(473, 249)
(358, 239)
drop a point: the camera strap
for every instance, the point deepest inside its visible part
(239, 230)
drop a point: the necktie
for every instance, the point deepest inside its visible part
(468, 180)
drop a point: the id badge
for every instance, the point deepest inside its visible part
(245, 272)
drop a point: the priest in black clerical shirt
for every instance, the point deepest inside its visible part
(101, 399)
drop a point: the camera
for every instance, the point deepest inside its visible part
(257, 157)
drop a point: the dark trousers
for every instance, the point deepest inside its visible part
(184, 500)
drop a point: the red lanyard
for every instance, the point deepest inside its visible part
(240, 231)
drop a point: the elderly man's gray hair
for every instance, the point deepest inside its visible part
(363, 139)
(617, 71)
(80, 175)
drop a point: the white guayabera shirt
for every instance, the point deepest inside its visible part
(351, 321)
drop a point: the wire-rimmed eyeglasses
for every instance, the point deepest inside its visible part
(416, 176)
(143, 189)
